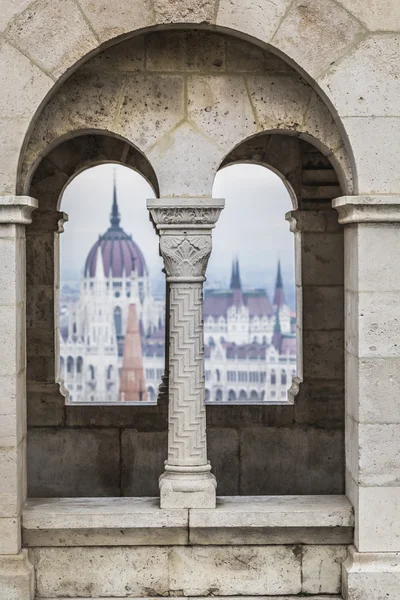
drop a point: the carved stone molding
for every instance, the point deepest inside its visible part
(368, 209)
(17, 209)
(185, 256)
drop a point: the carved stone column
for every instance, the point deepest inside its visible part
(185, 226)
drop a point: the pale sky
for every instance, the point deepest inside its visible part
(252, 226)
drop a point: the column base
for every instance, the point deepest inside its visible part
(17, 579)
(371, 575)
(187, 487)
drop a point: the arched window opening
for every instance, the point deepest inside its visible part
(243, 396)
(249, 295)
(112, 281)
(79, 365)
(70, 364)
(232, 396)
(218, 395)
(283, 378)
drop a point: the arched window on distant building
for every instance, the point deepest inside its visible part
(232, 396)
(79, 365)
(70, 364)
(273, 377)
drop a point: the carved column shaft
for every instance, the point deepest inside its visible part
(185, 226)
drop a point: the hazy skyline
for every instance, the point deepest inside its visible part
(252, 225)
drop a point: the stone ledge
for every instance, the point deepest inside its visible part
(274, 520)
(323, 597)
(139, 521)
(102, 522)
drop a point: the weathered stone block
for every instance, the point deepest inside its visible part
(231, 570)
(197, 160)
(184, 11)
(95, 97)
(375, 92)
(279, 100)
(321, 569)
(45, 405)
(378, 15)
(325, 25)
(323, 354)
(158, 101)
(211, 108)
(29, 88)
(373, 385)
(10, 536)
(375, 575)
(223, 452)
(17, 579)
(54, 47)
(375, 176)
(73, 462)
(377, 523)
(259, 19)
(179, 51)
(143, 455)
(323, 307)
(12, 132)
(127, 57)
(110, 20)
(13, 479)
(124, 571)
(9, 9)
(322, 259)
(375, 321)
(319, 456)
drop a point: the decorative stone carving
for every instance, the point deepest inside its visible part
(185, 226)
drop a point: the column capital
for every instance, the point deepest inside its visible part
(368, 209)
(185, 213)
(17, 209)
(312, 221)
(184, 226)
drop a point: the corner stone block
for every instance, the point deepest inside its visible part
(16, 577)
(372, 576)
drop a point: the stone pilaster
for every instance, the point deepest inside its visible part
(16, 576)
(184, 226)
(372, 349)
(319, 298)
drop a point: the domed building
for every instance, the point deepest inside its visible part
(94, 346)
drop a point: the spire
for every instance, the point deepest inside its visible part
(277, 335)
(279, 297)
(115, 217)
(236, 284)
(235, 276)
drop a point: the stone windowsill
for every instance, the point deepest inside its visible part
(140, 521)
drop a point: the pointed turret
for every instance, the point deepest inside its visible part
(277, 335)
(115, 216)
(279, 297)
(132, 383)
(236, 284)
